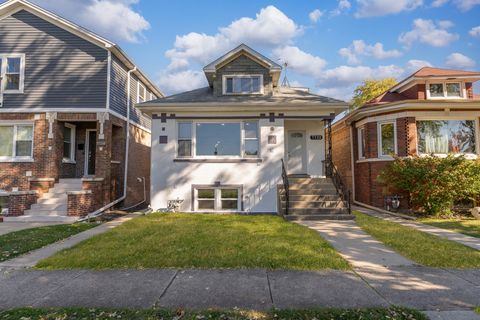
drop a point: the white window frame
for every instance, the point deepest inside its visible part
(360, 143)
(73, 129)
(177, 131)
(469, 118)
(463, 92)
(217, 200)
(224, 84)
(138, 92)
(3, 73)
(242, 140)
(379, 139)
(14, 157)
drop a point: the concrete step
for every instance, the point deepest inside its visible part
(70, 180)
(315, 204)
(316, 211)
(46, 212)
(317, 217)
(51, 199)
(333, 197)
(311, 192)
(30, 218)
(313, 187)
(309, 181)
(57, 190)
(61, 206)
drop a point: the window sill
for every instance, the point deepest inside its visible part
(385, 159)
(69, 161)
(468, 156)
(219, 160)
(13, 92)
(15, 160)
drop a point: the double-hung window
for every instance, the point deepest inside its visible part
(387, 144)
(446, 136)
(68, 143)
(218, 139)
(217, 199)
(243, 84)
(12, 72)
(361, 143)
(16, 141)
(141, 93)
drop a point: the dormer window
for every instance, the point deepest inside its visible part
(442, 90)
(243, 84)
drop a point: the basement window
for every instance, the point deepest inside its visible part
(217, 199)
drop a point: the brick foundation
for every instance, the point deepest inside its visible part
(20, 201)
(80, 203)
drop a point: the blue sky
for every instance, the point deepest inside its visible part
(330, 45)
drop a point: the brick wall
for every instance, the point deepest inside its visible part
(81, 203)
(341, 149)
(469, 89)
(41, 185)
(18, 202)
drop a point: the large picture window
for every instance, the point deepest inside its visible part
(218, 199)
(16, 141)
(218, 139)
(12, 72)
(446, 136)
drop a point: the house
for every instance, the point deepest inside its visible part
(433, 111)
(220, 148)
(71, 141)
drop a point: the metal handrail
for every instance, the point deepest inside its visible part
(333, 173)
(286, 186)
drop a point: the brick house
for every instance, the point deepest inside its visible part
(433, 111)
(71, 141)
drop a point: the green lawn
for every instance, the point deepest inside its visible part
(477, 310)
(392, 313)
(167, 240)
(468, 226)
(17, 243)
(421, 247)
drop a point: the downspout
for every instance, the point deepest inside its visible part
(127, 143)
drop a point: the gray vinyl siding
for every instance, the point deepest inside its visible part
(62, 70)
(239, 66)
(135, 114)
(118, 88)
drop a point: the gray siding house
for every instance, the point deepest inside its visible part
(69, 130)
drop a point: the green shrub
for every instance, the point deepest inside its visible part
(432, 183)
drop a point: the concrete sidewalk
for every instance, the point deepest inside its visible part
(417, 287)
(32, 258)
(7, 227)
(468, 241)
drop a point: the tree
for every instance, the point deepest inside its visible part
(370, 89)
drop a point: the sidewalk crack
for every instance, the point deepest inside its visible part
(270, 289)
(371, 287)
(155, 305)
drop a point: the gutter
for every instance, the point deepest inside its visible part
(127, 145)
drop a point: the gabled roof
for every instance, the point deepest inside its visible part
(11, 7)
(243, 48)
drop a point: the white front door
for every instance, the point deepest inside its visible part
(296, 153)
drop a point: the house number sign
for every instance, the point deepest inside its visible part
(316, 137)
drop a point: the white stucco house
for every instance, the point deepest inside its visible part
(220, 148)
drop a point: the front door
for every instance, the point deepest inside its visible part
(296, 153)
(90, 152)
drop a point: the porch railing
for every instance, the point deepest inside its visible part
(332, 172)
(286, 187)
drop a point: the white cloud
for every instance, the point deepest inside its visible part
(116, 20)
(414, 65)
(343, 5)
(458, 60)
(426, 31)
(299, 61)
(315, 15)
(186, 80)
(360, 48)
(466, 5)
(270, 28)
(475, 32)
(347, 75)
(445, 24)
(438, 3)
(375, 8)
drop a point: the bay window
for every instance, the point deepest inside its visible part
(242, 84)
(218, 139)
(16, 141)
(387, 145)
(446, 136)
(12, 72)
(217, 199)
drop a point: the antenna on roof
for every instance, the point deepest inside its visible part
(285, 82)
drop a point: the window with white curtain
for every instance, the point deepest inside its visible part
(446, 136)
(16, 141)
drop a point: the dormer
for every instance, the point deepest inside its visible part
(438, 84)
(243, 71)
